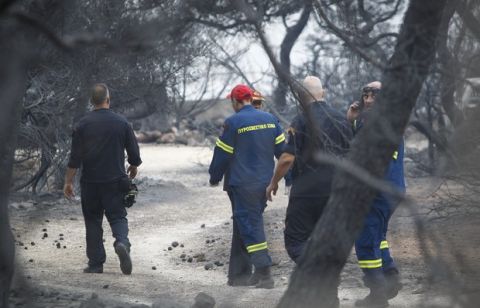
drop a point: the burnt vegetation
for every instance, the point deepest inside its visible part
(155, 54)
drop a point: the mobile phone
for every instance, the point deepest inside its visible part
(356, 105)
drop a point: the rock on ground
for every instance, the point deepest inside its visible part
(203, 300)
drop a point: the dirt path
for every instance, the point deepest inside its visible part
(176, 204)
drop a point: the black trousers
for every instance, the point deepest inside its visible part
(240, 265)
(302, 216)
(99, 199)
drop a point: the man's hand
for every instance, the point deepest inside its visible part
(353, 111)
(132, 171)
(68, 191)
(68, 187)
(272, 188)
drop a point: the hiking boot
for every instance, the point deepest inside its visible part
(124, 256)
(377, 298)
(393, 285)
(93, 269)
(372, 301)
(263, 278)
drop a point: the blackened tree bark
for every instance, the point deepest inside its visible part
(12, 87)
(292, 35)
(315, 281)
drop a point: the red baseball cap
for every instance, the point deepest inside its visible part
(241, 92)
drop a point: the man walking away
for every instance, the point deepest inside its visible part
(311, 180)
(381, 274)
(98, 146)
(250, 140)
(239, 266)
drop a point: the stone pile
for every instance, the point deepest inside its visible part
(185, 133)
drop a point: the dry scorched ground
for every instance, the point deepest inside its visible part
(176, 204)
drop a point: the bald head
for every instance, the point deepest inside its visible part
(100, 94)
(313, 89)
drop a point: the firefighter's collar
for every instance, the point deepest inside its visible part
(246, 107)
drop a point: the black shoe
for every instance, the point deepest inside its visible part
(124, 255)
(93, 269)
(241, 281)
(264, 278)
(372, 301)
(393, 285)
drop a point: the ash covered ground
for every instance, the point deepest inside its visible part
(180, 230)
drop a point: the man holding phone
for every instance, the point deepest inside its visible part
(381, 273)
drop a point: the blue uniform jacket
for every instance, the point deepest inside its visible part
(250, 140)
(394, 173)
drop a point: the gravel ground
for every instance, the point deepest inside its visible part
(179, 227)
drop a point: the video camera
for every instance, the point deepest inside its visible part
(130, 196)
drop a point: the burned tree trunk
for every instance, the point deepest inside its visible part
(292, 35)
(12, 87)
(315, 281)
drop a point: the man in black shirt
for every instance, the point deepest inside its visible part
(98, 146)
(311, 180)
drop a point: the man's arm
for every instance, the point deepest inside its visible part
(293, 145)
(133, 152)
(68, 186)
(222, 154)
(74, 162)
(284, 164)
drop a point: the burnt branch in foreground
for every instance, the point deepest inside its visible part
(12, 87)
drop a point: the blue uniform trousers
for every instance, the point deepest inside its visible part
(98, 199)
(239, 265)
(387, 260)
(249, 204)
(371, 246)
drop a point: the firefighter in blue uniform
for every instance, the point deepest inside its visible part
(239, 266)
(250, 140)
(381, 273)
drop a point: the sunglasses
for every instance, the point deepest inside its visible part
(372, 90)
